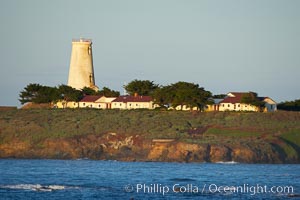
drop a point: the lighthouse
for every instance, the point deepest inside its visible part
(81, 72)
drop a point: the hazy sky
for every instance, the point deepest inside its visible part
(224, 45)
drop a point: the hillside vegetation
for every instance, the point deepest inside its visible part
(129, 134)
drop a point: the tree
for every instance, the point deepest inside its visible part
(190, 94)
(104, 92)
(182, 93)
(47, 95)
(290, 105)
(163, 96)
(88, 91)
(252, 99)
(141, 87)
(108, 92)
(68, 93)
(219, 96)
(37, 93)
(29, 93)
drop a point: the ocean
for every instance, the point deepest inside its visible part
(90, 179)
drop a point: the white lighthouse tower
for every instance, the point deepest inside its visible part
(81, 72)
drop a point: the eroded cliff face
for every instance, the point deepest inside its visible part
(112, 146)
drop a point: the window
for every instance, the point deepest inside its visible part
(223, 105)
(130, 104)
(239, 105)
(91, 78)
(228, 105)
(271, 106)
(84, 104)
(99, 105)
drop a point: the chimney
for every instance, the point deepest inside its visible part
(136, 94)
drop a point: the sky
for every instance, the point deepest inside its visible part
(224, 46)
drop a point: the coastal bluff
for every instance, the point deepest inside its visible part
(142, 135)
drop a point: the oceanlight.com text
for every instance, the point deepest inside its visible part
(157, 188)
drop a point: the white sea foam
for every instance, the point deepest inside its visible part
(57, 187)
(227, 162)
(21, 186)
(34, 187)
(85, 158)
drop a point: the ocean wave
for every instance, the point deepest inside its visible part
(34, 187)
(85, 158)
(227, 162)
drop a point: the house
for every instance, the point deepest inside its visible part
(66, 104)
(96, 101)
(184, 108)
(132, 102)
(233, 102)
(214, 106)
(107, 101)
(270, 104)
(89, 101)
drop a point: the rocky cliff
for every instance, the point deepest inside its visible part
(113, 146)
(34, 136)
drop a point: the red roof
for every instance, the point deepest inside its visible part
(90, 98)
(128, 98)
(236, 99)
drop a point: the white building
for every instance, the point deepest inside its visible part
(96, 101)
(233, 102)
(81, 72)
(132, 102)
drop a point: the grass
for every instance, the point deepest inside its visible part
(292, 136)
(260, 132)
(39, 124)
(291, 145)
(231, 132)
